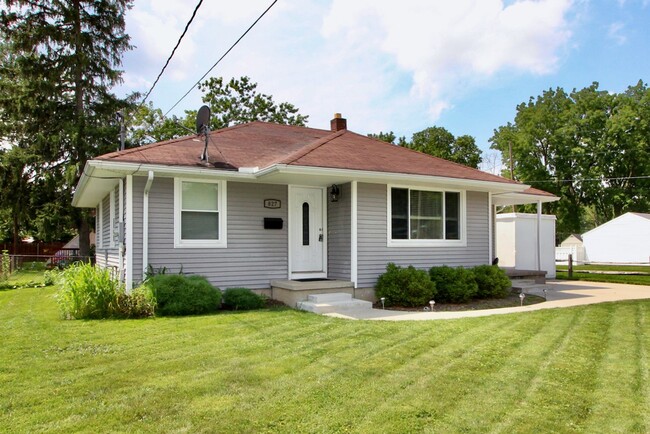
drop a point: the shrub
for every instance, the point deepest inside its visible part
(492, 281)
(139, 303)
(184, 295)
(50, 277)
(454, 285)
(87, 292)
(405, 286)
(242, 299)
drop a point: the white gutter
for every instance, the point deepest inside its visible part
(120, 221)
(353, 234)
(139, 168)
(145, 223)
(389, 177)
(490, 230)
(129, 232)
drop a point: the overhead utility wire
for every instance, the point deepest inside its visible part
(187, 26)
(588, 179)
(221, 58)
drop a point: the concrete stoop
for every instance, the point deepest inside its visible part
(528, 286)
(332, 302)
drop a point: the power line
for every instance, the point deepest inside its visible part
(622, 178)
(221, 58)
(187, 26)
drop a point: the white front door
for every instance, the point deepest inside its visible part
(307, 244)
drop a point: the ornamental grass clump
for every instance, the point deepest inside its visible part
(184, 295)
(87, 292)
(405, 286)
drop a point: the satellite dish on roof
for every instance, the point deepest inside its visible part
(203, 120)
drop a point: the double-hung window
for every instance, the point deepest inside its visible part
(425, 217)
(199, 218)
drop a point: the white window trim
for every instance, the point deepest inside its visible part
(462, 242)
(222, 242)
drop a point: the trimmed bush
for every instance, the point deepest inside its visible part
(454, 285)
(242, 299)
(184, 295)
(87, 292)
(405, 286)
(492, 281)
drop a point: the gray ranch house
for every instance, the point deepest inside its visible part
(269, 206)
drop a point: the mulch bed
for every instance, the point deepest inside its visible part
(512, 300)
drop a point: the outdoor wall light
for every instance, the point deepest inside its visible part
(335, 193)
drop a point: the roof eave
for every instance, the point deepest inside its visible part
(346, 175)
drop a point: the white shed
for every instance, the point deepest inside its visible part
(625, 239)
(516, 242)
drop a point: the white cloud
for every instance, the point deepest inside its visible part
(383, 65)
(443, 44)
(615, 33)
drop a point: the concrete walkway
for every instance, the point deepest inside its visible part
(559, 294)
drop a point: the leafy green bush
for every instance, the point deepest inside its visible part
(454, 285)
(184, 295)
(139, 303)
(405, 286)
(492, 281)
(50, 277)
(87, 292)
(242, 299)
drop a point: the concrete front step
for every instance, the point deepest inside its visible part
(528, 286)
(332, 302)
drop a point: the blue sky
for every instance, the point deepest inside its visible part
(462, 65)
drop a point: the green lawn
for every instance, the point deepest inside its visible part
(581, 369)
(612, 278)
(641, 268)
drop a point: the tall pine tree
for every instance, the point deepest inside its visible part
(60, 63)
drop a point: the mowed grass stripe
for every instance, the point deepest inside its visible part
(344, 385)
(496, 392)
(617, 396)
(560, 398)
(430, 385)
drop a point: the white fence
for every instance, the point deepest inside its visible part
(577, 253)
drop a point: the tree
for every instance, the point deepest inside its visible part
(389, 138)
(589, 147)
(61, 65)
(231, 103)
(439, 142)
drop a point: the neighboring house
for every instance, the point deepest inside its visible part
(287, 202)
(69, 252)
(625, 239)
(572, 245)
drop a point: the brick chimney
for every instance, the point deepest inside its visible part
(338, 123)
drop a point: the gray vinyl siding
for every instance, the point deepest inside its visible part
(107, 256)
(138, 191)
(373, 253)
(254, 255)
(338, 229)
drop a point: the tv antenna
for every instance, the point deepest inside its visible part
(203, 128)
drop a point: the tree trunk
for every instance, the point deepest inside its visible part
(84, 237)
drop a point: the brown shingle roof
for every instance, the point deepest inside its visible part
(260, 144)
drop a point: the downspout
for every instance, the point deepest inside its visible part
(539, 231)
(145, 224)
(129, 232)
(353, 234)
(120, 229)
(490, 229)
